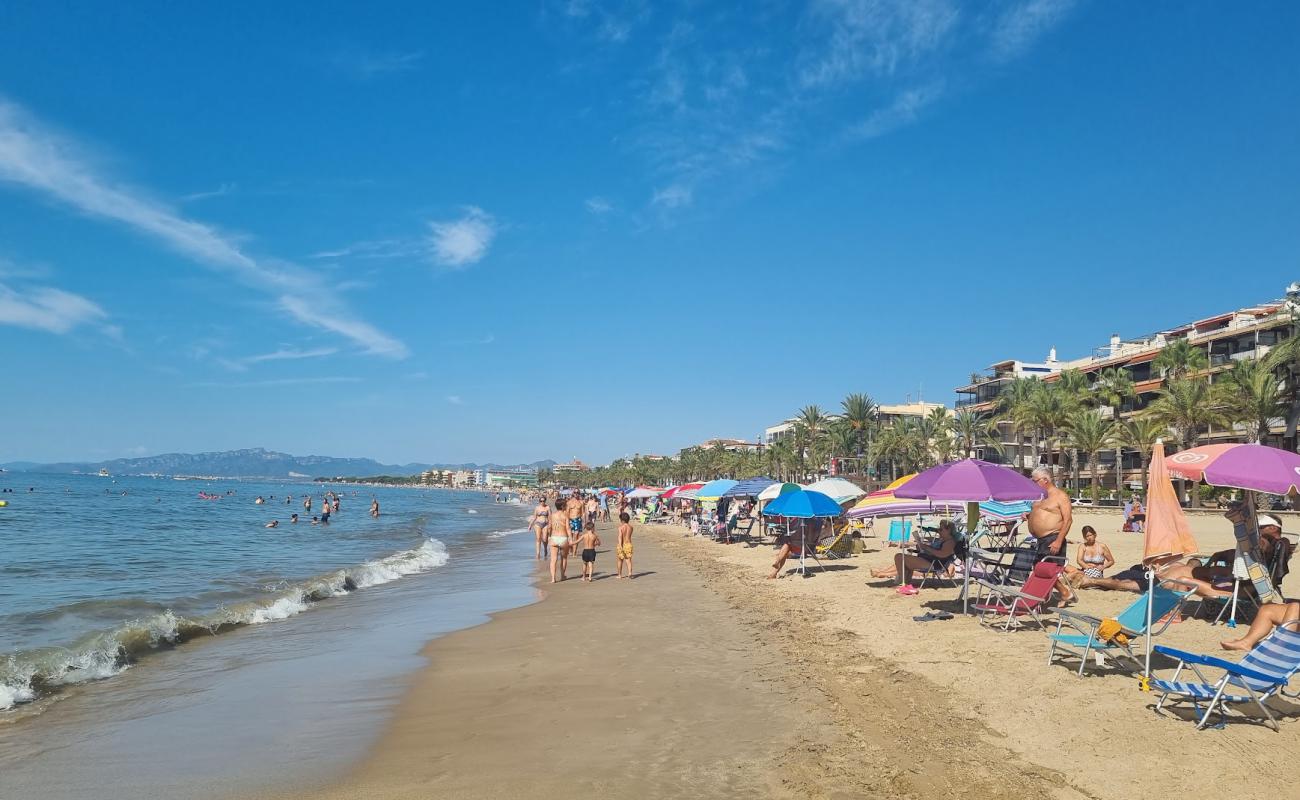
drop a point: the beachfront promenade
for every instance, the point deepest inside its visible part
(703, 679)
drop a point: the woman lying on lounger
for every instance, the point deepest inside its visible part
(1134, 579)
(942, 550)
(1270, 616)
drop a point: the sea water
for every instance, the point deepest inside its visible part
(152, 641)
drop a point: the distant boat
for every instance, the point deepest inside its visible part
(103, 473)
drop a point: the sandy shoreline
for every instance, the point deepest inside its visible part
(700, 678)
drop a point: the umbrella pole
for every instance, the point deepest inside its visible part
(1151, 599)
(803, 547)
(972, 519)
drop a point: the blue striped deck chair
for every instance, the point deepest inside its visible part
(900, 531)
(1083, 641)
(1264, 672)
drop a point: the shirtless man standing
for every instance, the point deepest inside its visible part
(573, 511)
(1049, 522)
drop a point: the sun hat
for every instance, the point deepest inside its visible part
(1268, 519)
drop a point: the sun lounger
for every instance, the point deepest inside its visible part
(1084, 640)
(1006, 605)
(1262, 673)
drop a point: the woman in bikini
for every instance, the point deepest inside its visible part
(540, 523)
(559, 540)
(1092, 559)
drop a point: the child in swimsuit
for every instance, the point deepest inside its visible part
(589, 541)
(624, 549)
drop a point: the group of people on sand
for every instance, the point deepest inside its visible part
(329, 505)
(1050, 521)
(562, 525)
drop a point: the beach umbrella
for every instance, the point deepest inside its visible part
(642, 492)
(676, 490)
(1254, 468)
(838, 488)
(971, 481)
(1167, 536)
(803, 505)
(749, 487)
(777, 489)
(1241, 466)
(714, 490)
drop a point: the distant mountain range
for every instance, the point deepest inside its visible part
(254, 463)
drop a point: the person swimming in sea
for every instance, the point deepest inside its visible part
(275, 523)
(293, 518)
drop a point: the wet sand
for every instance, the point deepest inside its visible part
(677, 684)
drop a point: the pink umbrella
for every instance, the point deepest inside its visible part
(1167, 533)
(969, 481)
(1241, 466)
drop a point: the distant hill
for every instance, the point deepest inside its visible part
(253, 463)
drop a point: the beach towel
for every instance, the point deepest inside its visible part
(1111, 631)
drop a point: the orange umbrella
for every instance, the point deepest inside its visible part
(1167, 535)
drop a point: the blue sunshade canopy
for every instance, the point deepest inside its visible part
(802, 504)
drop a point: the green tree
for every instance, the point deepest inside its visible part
(1113, 387)
(1013, 403)
(1180, 358)
(1141, 434)
(860, 415)
(1186, 406)
(972, 430)
(1088, 432)
(1251, 395)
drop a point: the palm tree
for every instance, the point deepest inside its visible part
(810, 431)
(1141, 433)
(972, 430)
(934, 431)
(1113, 387)
(1251, 395)
(1285, 358)
(1044, 412)
(1187, 406)
(1180, 358)
(1013, 402)
(1088, 432)
(860, 415)
(780, 458)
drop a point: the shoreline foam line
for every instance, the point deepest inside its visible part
(32, 675)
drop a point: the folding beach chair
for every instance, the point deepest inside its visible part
(1165, 606)
(1241, 595)
(1014, 602)
(1262, 673)
(827, 546)
(900, 532)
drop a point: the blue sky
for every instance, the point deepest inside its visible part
(488, 232)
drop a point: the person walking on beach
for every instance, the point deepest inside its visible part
(604, 507)
(1049, 522)
(593, 506)
(374, 507)
(540, 524)
(624, 549)
(588, 543)
(559, 541)
(573, 511)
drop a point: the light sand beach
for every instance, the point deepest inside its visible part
(703, 679)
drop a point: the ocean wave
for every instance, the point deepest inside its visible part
(503, 534)
(30, 675)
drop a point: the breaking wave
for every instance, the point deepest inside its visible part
(33, 674)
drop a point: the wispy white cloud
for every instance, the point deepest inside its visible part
(221, 191)
(283, 354)
(1024, 22)
(674, 196)
(599, 205)
(328, 379)
(455, 400)
(730, 96)
(903, 110)
(45, 308)
(375, 248)
(33, 156)
(366, 64)
(460, 242)
(876, 37)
